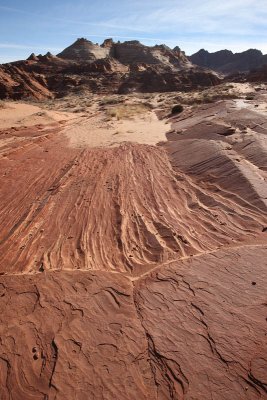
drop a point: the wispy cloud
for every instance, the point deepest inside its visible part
(16, 11)
(228, 17)
(237, 17)
(13, 46)
(191, 24)
(78, 21)
(10, 9)
(27, 47)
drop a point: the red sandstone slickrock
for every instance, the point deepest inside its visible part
(133, 271)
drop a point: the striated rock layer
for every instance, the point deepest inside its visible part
(72, 335)
(138, 271)
(128, 197)
(195, 329)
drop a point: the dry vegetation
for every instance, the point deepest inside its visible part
(2, 104)
(110, 100)
(127, 111)
(127, 106)
(209, 95)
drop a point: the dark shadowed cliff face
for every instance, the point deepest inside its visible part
(258, 75)
(226, 61)
(109, 68)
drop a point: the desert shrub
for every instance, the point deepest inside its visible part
(113, 113)
(128, 111)
(2, 104)
(177, 109)
(109, 101)
(209, 98)
(249, 97)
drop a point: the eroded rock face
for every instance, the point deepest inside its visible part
(72, 335)
(133, 52)
(128, 53)
(150, 207)
(193, 329)
(205, 319)
(84, 50)
(152, 79)
(136, 272)
(16, 83)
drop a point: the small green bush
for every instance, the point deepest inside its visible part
(177, 109)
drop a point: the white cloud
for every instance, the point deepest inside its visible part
(27, 47)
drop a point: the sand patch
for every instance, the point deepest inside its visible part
(96, 131)
(242, 88)
(252, 105)
(20, 114)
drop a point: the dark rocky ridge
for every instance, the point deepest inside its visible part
(227, 62)
(109, 68)
(259, 75)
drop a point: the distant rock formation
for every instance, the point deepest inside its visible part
(108, 43)
(32, 57)
(127, 53)
(84, 50)
(227, 62)
(257, 75)
(111, 67)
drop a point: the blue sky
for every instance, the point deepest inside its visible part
(39, 26)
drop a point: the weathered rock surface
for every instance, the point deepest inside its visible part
(129, 52)
(150, 208)
(136, 272)
(16, 83)
(193, 329)
(152, 79)
(205, 320)
(84, 50)
(133, 52)
(72, 335)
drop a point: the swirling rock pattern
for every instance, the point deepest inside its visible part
(72, 335)
(135, 272)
